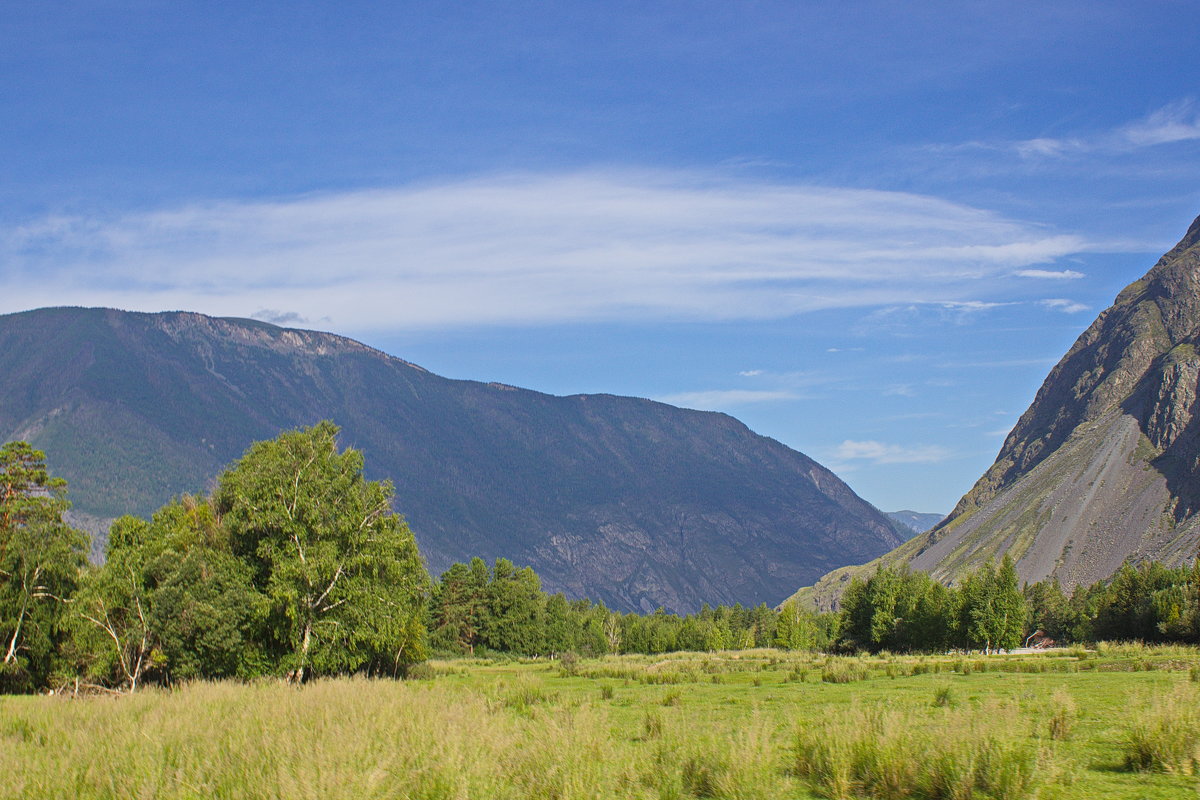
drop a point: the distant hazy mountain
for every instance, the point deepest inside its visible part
(914, 521)
(628, 501)
(1105, 465)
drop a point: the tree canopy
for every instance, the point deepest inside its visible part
(40, 558)
(340, 569)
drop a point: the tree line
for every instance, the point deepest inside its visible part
(476, 609)
(296, 566)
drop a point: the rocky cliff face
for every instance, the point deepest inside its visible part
(627, 501)
(1104, 466)
(1127, 345)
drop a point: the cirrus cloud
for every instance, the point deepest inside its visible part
(885, 453)
(1050, 274)
(530, 248)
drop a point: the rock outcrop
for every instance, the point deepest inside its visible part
(1104, 466)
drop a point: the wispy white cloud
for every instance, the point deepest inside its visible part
(884, 453)
(1175, 122)
(996, 364)
(900, 390)
(771, 387)
(721, 399)
(901, 320)
(521, 249)
(1050, 274)
(1030, 148)
(276, 317)
(1063, 305)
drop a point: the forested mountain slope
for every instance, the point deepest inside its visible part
(630, 502)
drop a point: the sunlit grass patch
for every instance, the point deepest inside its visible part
(1164, 733)
(503, 728)
(969, 753)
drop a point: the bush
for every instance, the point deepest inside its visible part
(943, 697)
(421, 671)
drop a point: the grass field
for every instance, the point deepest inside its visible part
(1122, 722)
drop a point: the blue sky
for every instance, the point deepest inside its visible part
(865, 229)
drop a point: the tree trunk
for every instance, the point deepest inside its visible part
(11, 655)
(297, 675)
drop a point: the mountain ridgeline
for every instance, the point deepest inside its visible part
(910, 523)
(1103, 467)
(630, 502)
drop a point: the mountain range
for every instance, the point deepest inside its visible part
(914, 522)
(1104, 466)
(630, 502)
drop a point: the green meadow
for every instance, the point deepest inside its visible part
(1119, 722)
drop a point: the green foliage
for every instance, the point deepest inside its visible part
(340, 569)
(992, 610)
(209, 619)
(800, 629)
(953, 754)
(171, 602)
(516, 619)
(40, 557)
(296, 566)
(898, 610)
(1167, 737)
(504, 610)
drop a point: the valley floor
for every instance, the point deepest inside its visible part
(749, 724)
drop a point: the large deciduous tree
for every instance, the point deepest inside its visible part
(40, 556)
(339, 567)
(993, 611)
(171, 601)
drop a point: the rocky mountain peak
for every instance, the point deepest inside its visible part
(1104, 466)
(1149, 319)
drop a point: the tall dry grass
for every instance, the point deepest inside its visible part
(1164, 734)
(945, 754)
(370, 739)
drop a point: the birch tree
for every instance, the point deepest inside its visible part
(40, 557)
(345, 584)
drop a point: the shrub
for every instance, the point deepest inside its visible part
(421, 671)
(943, 697)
